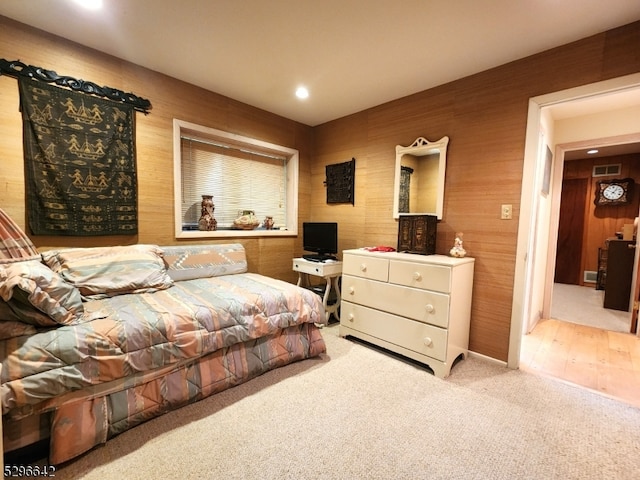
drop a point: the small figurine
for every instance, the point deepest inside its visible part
(458, 250)
(268, 222)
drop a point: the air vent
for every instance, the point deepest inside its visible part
(606, 170)
(590, 277)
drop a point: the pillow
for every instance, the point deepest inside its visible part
(39, 296)
(100, 272)
(201, 261)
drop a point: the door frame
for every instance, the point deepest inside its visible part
(526, 238)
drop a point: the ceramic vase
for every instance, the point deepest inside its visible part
(207, 221)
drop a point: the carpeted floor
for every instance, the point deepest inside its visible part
(357, 413)
(584, 306)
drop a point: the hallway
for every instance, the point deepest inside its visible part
(584, 306)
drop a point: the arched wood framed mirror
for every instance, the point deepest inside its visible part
(419, 178)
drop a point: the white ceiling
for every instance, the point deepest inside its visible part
(350, 54)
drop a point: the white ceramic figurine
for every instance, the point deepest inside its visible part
(458, 250)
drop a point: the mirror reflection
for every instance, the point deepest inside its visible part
(419, 178)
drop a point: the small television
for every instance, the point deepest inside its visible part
(321, 238)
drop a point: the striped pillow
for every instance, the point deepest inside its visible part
(201, 261)
(107, 271)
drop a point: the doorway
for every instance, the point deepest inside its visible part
(587, 234)
(530, 279)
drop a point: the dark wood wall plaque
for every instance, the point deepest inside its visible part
(340, 182)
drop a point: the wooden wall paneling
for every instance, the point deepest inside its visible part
(399, 123)
(342, 140)
(573, 64)
(484, 171)
(304, 144)
(424, 114)
(380, 228)
(252, 252)
(601, 223)
(155, 181)
(571, 231)
(262, 124)
(618, 58)
(12, 191)
(274, 264)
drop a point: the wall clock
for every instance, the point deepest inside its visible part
(614, 192)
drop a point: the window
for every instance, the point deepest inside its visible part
(606, 170)
(241, 174)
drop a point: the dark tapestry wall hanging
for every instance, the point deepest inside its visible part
(340, 181)
(80, 162)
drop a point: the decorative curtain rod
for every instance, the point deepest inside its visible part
(18, 69)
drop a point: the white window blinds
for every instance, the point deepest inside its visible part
(237, 179)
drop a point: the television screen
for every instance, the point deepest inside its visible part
(320, 238)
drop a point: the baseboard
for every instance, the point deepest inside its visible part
(488, 359)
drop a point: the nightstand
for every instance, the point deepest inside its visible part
(330, 271)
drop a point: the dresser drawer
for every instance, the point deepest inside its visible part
(319, 269)
(416, 336)
(366, 267)
(419, 275)
(422, 305)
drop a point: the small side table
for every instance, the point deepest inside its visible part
(330, 271)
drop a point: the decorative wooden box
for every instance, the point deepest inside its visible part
(417, 234)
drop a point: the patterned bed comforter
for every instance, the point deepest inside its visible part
(135, 335)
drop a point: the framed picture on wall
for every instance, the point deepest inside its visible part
(546, 179)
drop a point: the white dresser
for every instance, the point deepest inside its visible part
(416, 305)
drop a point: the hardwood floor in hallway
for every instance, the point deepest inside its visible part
(601, 360)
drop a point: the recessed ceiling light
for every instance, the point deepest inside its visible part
(592, 151)
(302, 92)
(90, 4)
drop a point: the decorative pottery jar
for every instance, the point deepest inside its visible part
(268, 222)
(246, 221)
(207, 221)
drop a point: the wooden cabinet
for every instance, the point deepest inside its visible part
(417, 234)
(415, 305)
(617, 289)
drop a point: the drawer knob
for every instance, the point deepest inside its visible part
(352, 290)
(429, 308)
(363, 267)
(417, 276)
(351, 317)
(427, 341)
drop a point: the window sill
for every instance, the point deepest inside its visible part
(232, 233)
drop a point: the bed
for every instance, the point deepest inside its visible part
(98, 340)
